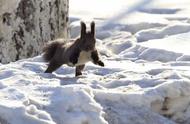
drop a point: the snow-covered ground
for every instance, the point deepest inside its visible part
(146, 78)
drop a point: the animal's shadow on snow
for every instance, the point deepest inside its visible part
(64, 80)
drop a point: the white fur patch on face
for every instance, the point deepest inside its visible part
(84, 57)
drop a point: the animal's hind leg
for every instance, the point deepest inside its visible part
(53, 65)
(79, 70)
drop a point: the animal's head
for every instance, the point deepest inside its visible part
(88, 39)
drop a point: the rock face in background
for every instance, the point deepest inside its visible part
(26, 25)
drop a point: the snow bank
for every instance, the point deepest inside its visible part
(14, 109)
(172, 29)
(170, 99)
(40, 99)
(181, 40)
(75, 105)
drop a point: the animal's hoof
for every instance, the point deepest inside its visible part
(101, 63)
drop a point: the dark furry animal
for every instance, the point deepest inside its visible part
(75, 54)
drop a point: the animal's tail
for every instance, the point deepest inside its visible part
(49, 50)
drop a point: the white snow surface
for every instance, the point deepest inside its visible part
(146, 78)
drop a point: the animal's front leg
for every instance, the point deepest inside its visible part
(79, 70)
(95, 58)
(74, 56)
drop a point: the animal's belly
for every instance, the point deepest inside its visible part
(84, 57)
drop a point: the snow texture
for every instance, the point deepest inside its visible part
(146, 78)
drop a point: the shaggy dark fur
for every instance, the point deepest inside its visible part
(76, 53)
(50, 49)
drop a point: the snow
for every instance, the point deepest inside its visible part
(181, 40)
(146, 78)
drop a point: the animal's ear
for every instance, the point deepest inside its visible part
(92, 25)
(83, 29)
